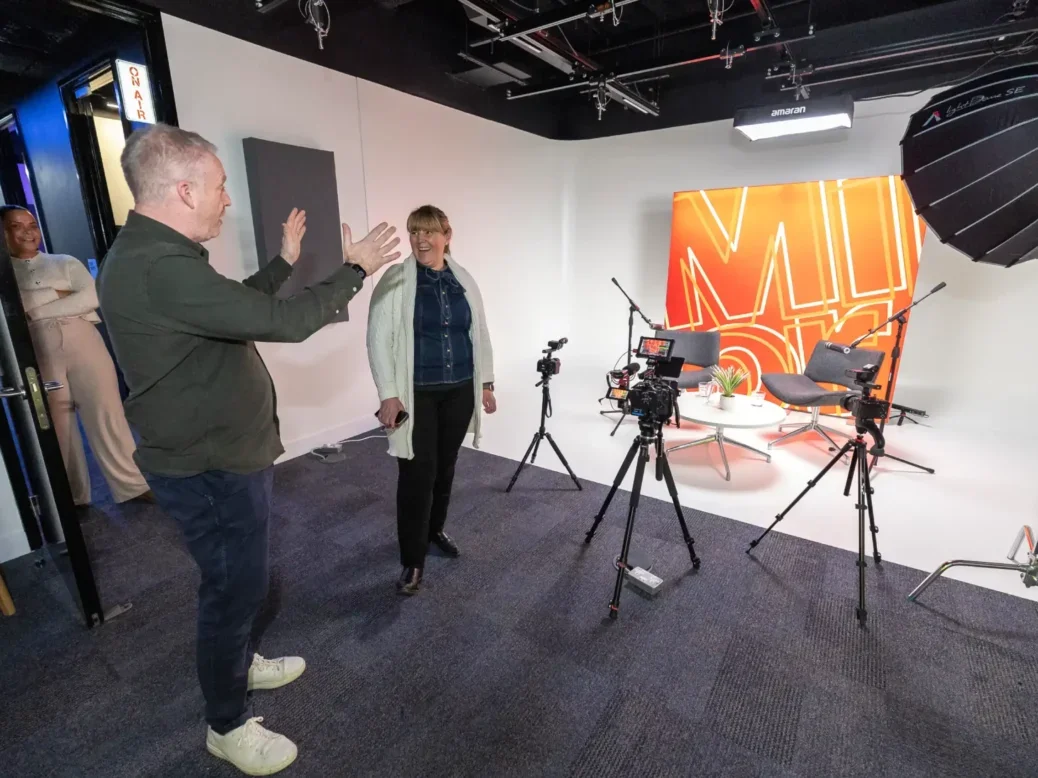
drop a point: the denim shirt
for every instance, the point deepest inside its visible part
(442, 320)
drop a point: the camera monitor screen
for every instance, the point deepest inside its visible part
(655, 348)
(617, 394)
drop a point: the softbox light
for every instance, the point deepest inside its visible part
(970, 162)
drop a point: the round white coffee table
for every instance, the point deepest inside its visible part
(744, 415)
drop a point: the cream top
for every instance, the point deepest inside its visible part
(42, 279)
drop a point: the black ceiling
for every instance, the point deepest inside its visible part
(41, 38)
(438, 49)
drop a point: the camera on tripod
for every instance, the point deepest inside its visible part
(549, 365)
(867, 410)
(652, 398)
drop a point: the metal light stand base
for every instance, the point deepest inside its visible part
(719, 438)
(860, 468)
(640, 447)
(535, 444)
(1028, 570)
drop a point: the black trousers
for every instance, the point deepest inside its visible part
(441, 419)
(225, 519)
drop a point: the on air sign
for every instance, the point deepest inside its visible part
(135, 89)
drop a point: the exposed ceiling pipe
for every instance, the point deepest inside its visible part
(889, 71)
(682, 30)
(996, 33)
(728, 53)
(553, 18)
(541, 45)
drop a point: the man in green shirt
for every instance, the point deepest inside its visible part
(204, 405)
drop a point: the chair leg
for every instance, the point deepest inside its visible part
(6, 603)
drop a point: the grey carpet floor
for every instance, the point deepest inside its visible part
(506, 664)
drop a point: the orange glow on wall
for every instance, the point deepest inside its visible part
(778, 268)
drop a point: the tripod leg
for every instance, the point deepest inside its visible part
(810, 484)
(623, 415)
(612, 491)
(924, 468)
(536, 448)
(872, 517)
(519, 469)
(851, 471)
(639, 474)
(669, 478)
(862, 472)
(562, 459)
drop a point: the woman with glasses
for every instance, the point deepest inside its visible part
(431, 358)
(60, 302)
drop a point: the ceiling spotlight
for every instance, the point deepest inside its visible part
(774, 121)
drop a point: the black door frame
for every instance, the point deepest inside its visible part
(24, 374)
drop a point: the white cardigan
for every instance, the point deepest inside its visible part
(391, 345)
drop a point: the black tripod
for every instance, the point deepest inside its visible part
(650, 431)
(895, 357)
(630, 348)
(542, 434)
(864, 487)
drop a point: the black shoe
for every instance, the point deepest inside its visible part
(445, 544)
(409, 581)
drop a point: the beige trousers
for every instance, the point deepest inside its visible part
(72, 352)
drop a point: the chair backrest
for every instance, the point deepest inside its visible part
(702, 349)
(830, 367)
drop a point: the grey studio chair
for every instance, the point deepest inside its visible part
(700, 349)
(803, 390)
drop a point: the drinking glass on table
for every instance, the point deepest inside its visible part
(757, 399)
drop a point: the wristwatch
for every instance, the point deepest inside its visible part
(359, 269)
(488, 387)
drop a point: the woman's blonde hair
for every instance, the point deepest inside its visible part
(429, 217)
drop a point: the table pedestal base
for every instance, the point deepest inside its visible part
(720, 439)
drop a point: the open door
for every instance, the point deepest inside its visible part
(50, 496)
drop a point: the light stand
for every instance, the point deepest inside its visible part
(630, 345)
(1028, 570)
(895, 358)
(545, 366)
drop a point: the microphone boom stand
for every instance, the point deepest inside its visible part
(895, 357)
(630, 344)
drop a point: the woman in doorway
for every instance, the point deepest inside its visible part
(60, 302)
(430, 355)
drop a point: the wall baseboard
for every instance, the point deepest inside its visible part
(302, 446)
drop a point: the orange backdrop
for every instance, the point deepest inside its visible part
(778, 268)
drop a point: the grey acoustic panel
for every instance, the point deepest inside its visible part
(282, 177)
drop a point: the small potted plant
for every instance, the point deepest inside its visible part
(728, 380)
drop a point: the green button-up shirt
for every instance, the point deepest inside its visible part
(200, 396)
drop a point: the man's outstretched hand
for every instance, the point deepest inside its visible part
(373, 251)
(292, 232)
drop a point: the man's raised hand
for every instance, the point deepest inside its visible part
(292, 232)
(373, 251)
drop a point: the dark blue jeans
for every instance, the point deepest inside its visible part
(225, 521)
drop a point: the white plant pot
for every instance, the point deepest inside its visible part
(727, 403)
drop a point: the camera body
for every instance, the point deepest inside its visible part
(549, 365)
(867, 410)
(651, 400)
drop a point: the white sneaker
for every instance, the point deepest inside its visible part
(273, 673)
(253, 749)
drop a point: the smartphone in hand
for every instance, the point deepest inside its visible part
(400, 417)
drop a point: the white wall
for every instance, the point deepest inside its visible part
(499, 186)
(980, 324)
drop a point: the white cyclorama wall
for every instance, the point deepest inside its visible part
(500, 187)
(979, 327)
